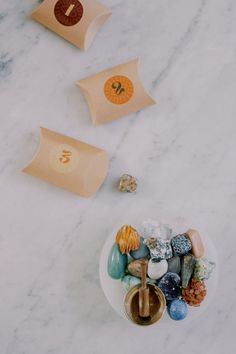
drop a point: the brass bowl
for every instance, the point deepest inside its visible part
(157, 303)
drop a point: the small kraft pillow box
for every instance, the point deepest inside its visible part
(115, 92)
(69, 163)
(77, 21)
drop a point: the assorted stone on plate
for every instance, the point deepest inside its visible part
(175, 264)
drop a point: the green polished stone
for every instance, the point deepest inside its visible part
(117, 263)
(187, 266)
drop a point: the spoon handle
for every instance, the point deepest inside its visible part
(144, 309)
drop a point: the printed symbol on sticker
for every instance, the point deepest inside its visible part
(68, 12)
(118, 89)
(63, 158)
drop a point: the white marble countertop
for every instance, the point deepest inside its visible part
(182, 150)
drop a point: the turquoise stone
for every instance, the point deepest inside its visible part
(128, 281)
(141, 252)
(117, 263)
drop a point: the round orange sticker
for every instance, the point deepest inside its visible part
(118, 89)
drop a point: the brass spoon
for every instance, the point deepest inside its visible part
(144, 304)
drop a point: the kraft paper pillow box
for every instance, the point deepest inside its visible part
(77, 21)
(115, 92)
(68, 163)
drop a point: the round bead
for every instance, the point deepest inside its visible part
(177, 310)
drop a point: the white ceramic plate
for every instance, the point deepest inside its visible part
(115, 293)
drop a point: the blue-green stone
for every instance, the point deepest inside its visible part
(117, 263)
(129, 281)
(141, 252)
(174, 265)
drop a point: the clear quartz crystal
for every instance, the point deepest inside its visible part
(153, 228)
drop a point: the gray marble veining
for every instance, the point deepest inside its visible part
(182, 150)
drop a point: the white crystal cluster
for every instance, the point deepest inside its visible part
(153, 228)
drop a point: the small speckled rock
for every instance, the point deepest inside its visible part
(128, 184)
(174, 265)
(181, 245)
(128, 281)
(141, 252)
(134, 267)
(196, 241)
(203, 269)
(170, 286)
(187, 266)
(157, 269)
(117, 263)
(159, 248)
(177, 310)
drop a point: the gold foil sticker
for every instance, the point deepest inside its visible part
(69, 163)
(63, 158)
(115, 92)
(77, 21)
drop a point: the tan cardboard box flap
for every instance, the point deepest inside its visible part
(68, 163)
(77, 21)
(115, 92)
